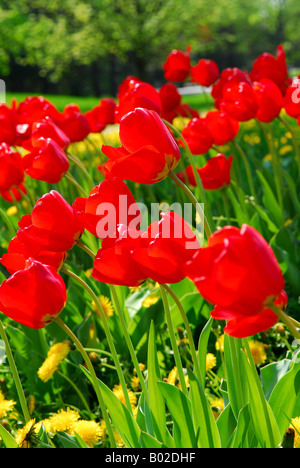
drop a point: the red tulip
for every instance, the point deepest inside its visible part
(239, 274)
(11, 169)
(222, 127)
(47, 161)
(169, 243)
(239, 101)
(46, 128)
(214, 175)
(273, 68)
(114, 263)
(108, 205)
(14, 194)
(206, 72)
(291, 102)
(102, 115)
(52, 225)
(148, 152)
(74, 124)
(138, 94)
(19, 252)
(35, 108)
(269, 99)
(197, 136)
(169, 96)
(177, 66)
(34, 296)
(7, 125)
(228, 76)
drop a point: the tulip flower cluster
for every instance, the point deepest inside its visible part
(243, 293)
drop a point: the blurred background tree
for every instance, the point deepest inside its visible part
(87, 47)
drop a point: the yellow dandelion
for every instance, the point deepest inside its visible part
(111, 135)
(268, 157)
(31, 403)
(173, 376)
(220, 344)
(90, 431)
(118, 391)
(150, 300)
(56, 354)
(217, 406)
(12, 210)
(180, 122)
(5, 405)
(211, 361)
(119, 441)
(26, 436)
(295, 424)
(135, 383)
(187, 382)
(106, 306)
(258, 352)
(285, 150)
(64, 420)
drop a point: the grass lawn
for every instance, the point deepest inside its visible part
(197, 101)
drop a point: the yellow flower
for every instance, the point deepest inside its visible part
(118, 391)
(258, 352)
(180, 122)
(91, 432)
(106, 306)
(220, 344)
(64, 420)
(217, 406)
(285, 150)
(135, 383)
(211, 361)
(12, 210)
(5, 405)
(173, 376)
(31, 403)
(56, 354)
(26, 436)
(295, 424)
(149, 301)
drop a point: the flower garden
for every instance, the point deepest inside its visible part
(126, 323)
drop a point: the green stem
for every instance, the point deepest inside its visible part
(71, 179)
(173, 341)
(295, 142)
(286, 320)
(196, 174)
(128, 341)
(247, 167)
(94, 378)
(188, 331)
(15, 374)
(81, 396)
(76, 161)
(193, 199)
(275, 163)
(102, 316)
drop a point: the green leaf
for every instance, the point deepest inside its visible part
(284, 397)
(123, 420)
(156, 401)
(147, 441)
(264, 422)
(226, 423)
(8, 439)
(241, 434)
(272, 373)
(181, 411)
(204, 422)
(270, 201)
(202, 348)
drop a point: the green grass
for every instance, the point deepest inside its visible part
(197, 101)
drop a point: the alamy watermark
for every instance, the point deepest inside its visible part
(139, 218)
